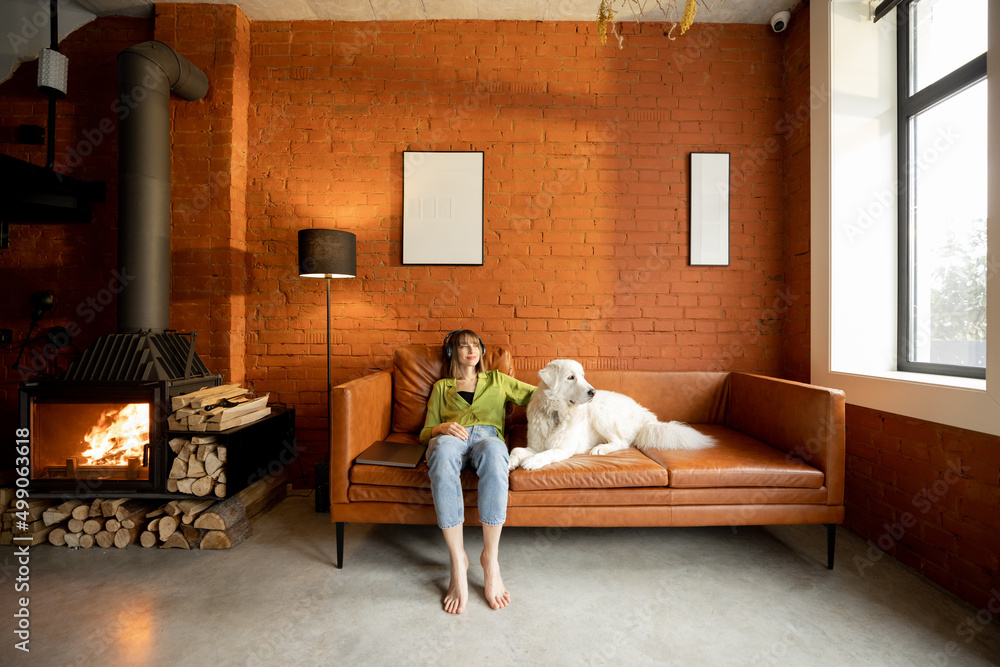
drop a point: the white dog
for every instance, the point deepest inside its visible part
(567, 416)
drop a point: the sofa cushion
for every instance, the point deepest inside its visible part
(418, 477)
(415, 369)
(621, 469)
(736, 460)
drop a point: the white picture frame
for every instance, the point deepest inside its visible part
(443, 207)
(709, 237)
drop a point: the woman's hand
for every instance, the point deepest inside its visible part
(451, 428)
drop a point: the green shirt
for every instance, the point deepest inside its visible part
(493, 391)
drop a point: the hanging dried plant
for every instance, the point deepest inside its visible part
(668, 8)
(605, 13)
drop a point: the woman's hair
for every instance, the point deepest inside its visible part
(454, 341)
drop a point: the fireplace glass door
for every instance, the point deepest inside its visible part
(94, 441)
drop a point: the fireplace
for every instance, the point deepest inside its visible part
(100, 438)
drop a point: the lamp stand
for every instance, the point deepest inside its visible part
(322, 469)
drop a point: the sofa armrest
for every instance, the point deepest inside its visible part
(805, 421)
(360, 414)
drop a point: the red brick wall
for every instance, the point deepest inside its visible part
(928, 495)
(586, 190)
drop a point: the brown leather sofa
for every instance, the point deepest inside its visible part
(779, 457)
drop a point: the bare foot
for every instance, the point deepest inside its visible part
(458, 589)
(496, 594)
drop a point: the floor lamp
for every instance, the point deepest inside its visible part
(326, 253)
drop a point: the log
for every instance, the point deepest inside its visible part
(226, 539)
(187, 537)
(195, 468)
(175, 541)
(212, 464)
(247, 407)
(184, 485)
(192, 508)
(104, 539)
(7, 495)
(60, 513)
(87, 541)
(73, 540)
(220, 490)
(245, 505)
(172, 485)
(205, 450)
(109, 507)
(167, 527)
(248, 418)
(94, 525)
(177, 443)
(95, 508)
(204, 440)
(75, 525)
(82, 512)
(202, 486)
(133, 509)
(153, 525)
(216, 397)
(148, 539)
(58, 536)
(112, 525)
(178, 469)
(184, 400)
(125, 537)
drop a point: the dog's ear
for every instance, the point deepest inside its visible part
(547, 375)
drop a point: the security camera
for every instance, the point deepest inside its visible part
(780, 21)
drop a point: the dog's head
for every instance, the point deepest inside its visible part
(563, 379)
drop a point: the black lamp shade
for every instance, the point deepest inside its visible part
(327, 253)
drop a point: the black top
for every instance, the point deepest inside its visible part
(467, 395)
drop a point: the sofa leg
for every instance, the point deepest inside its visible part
(340, 545)
(831, 542)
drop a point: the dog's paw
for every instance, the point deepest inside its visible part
(534, 463)
(517, 455)
(607, 448)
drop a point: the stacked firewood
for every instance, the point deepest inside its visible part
(122, 522)
(23, 520)
(216, 409)
(199, 468)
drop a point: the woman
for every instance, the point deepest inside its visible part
(464, 427)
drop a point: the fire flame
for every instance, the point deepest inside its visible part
(120, 435)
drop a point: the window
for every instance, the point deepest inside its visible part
(942, 163)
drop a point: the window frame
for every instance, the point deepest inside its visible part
(907, 107)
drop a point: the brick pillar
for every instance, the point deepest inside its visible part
(208, 183)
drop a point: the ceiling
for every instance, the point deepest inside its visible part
(710, 11)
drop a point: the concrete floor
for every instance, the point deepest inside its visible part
(674, 596)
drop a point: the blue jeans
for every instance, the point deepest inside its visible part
(486, 453)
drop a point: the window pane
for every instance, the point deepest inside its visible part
(946, 34)
(948, 231)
